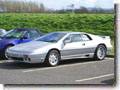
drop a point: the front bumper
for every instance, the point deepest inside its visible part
(31, 58)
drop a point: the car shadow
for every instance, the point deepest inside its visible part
(110, 81)
(20, 65)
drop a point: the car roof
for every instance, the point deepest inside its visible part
(25, 29)
(70, 32)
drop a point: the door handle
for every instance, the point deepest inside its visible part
(83, 44)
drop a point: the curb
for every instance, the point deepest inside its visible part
(112, 56)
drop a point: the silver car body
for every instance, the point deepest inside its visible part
(38, 50)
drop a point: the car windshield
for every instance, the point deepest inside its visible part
(52, 37)
(13, 34)
(1, 32)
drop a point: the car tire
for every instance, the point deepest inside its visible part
(53, 58)
(100, 52)
(5, 57)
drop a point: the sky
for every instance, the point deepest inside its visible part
(63, 4)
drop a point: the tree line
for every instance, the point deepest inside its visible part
(15, 6)
(83, 10)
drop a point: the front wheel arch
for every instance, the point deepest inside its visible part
(54, 49)
(10, 45)
(51, 50)
(46, 58)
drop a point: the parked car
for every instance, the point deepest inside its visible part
(17, 36)
(58, 46)
(2, 32)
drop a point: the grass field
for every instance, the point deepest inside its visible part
(100, 24)
(112, 52)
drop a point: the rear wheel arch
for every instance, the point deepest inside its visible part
(103, 45)
(100, 45)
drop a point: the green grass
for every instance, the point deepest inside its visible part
(101, 24)
(112, 52)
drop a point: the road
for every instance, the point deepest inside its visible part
(77, 71)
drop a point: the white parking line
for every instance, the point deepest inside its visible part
(4, 61)
(87, 79)
(41, 69)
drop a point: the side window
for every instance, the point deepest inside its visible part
(68, 38)
(26, 34)
(34, 34)
(1, 32)
(76, 38)
(31, 34)
(86, 37)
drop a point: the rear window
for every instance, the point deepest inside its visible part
(86, 37)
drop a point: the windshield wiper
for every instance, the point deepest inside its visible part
(50, 41)
(11, 37)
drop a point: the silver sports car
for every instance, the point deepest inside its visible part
(57, 46)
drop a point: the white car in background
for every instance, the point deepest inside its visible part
(2, 32)
(57, 46)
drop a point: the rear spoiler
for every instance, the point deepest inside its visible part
(105, 37)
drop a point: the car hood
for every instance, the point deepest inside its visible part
(3, 41)
(30, 46)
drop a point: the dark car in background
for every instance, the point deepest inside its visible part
(15, 37)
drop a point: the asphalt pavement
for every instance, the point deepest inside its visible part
(75, 72)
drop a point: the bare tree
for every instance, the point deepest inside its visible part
(22, 6)
(42, 8)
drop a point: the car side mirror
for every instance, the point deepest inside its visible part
(24, 37)
(67, 41)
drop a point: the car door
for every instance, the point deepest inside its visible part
(74, 48)
(89, 44)
(31, 35)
